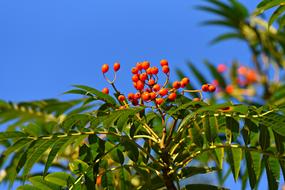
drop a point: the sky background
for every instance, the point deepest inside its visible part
(46, 46)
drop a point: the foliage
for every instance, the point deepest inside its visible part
(155, 140)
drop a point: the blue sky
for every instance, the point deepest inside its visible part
(46, 46)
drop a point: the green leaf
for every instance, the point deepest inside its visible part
(234, 159)
(100, 95)
(226, 36)
(267, 4)
(18, 145)
(58, 178)
(219, 154)
(10, 135)
(273, 172)
(276, 14)
(275, 121)
(191, 171)
(117, 156)
(131, 149)
(196, 135)
(78, 166)
(253, 162)
(211, 128)
(27, 187)
(264, 137)
(40, 183)
(36, 153)
(203, 187)
(58, 146)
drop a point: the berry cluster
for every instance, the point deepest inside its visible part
(245, 77)
(145, 81)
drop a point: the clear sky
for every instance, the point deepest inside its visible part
(46, 46)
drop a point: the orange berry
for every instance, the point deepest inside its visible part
(137, 95)
(165, 69)
(156, 87)
(135, 70)
(116, 66)
(145, 65)
(154, 70)
(139, 66)
(229, 89)
(131, 96)
(99, 180)
(163, 62)
(242, 70)
(135, 78)
(121, 98)
(196, 99)
(176, 84)
(105, 90)
(152, 95)
(212, 88)
(140, 85)
(159, 101)
(151, 82)
(163, 92)
(184, 82)
(251, 76)
(205, 87)
(172, 96)
(149, 71)
(145, 96)
(143, 76)
(221, 68)
(105, 68)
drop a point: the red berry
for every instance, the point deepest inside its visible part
(159, 101)
(135, 70)
(145, 65)
(121, 98)
(152, 95)
(137, 95)
(176, 84)
(140, 85)
(149, 71)
(230, 89)
(135, 78)
(145, 96)
(156, 87)
(205, 87)
(105, 68)
(131, 96)
(154, 70)
(165, 69)
(105, 90)
(184, 82)
(135, 102)
(242, 70)
(163, 62)
(172, 96)
(151, 82)
(139, 66)
(116, 66)
(212, 88)
(221, 68)
(143, 76)
(163, 92)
